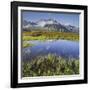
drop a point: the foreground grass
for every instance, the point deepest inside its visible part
(50, 65)
(42, 35)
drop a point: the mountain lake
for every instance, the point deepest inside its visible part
(63, 48)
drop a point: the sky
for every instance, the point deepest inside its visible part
(61, 17)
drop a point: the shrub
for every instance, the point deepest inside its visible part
(50, 65)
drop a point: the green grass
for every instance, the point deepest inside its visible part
(27, 45)
(42, 35)
(50, 65)
(27, 38)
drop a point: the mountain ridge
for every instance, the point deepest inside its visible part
(50, 25)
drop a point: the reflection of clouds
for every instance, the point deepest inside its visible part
(48, 47)
(50, 40)
(27, 51)
(61, 48)
(40, 49)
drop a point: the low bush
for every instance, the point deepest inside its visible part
(50, 65)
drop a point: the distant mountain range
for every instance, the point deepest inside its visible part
(50, 25)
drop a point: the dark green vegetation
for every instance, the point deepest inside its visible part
(45, 35)
(50, 65)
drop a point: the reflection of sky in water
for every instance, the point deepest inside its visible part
(64, 48)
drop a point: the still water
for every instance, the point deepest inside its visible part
(63, 48)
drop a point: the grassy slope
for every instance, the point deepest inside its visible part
(43, 35)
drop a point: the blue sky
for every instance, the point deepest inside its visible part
(63, 18)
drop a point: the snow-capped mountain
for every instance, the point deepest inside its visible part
(72, 28)
(43, 22)
(49, 24)
(28, 24)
